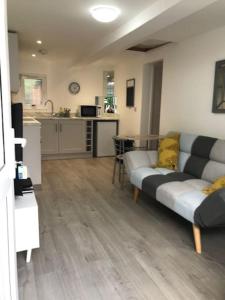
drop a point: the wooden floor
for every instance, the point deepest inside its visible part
(96, 243)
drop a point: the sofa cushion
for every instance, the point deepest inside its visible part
(202, 146)
(198, 184)
(151, 183)
(181, 198)
(139, 159)
(139, 174)
(213, 170)
(195, 166)
(202, 157)
(183, 157)
(218, 151)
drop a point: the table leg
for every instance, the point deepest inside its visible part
(28, 255)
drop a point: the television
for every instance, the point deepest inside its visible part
(17, 124)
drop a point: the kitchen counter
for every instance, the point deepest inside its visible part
(78, 118)
(29, 121)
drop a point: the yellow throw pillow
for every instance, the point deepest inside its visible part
(219, 183)
(169, 151)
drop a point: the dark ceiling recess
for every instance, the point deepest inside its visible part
(147, 46)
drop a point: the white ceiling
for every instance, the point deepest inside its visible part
(65, 27)
(206, 19)
(69, 32)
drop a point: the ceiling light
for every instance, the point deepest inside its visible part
(39, 42)
(104, 13)
(34, 55)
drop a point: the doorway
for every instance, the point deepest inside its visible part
(151, 100)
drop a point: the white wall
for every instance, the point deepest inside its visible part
(59, 75)
(187, 91)
(188, 85)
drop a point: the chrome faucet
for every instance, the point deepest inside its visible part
(52, 105)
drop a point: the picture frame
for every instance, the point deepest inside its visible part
(2, 140)
(130, 92)
(218, 105)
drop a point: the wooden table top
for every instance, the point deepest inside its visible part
(138, 137)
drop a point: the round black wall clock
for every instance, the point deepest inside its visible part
(74, 88)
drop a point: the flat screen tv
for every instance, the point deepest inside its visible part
(17, 124)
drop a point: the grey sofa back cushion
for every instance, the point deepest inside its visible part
(201, 156)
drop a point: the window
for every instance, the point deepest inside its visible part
(109, 92)
(34, 89)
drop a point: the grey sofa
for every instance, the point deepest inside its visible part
(201, 161)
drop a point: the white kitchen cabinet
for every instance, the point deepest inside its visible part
(49, 136)
(13, 62)
(72, 136)
(63, 136)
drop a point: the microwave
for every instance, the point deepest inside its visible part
(90, 111)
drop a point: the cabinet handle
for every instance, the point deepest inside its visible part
(60, 127)
(56, 127)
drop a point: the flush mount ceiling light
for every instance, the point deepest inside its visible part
(105, 13)
(39, 42)
(34, 55)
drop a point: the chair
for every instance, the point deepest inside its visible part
(121, 146)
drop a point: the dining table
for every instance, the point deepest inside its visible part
(141, 138)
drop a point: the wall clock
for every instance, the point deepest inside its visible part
(74, 88)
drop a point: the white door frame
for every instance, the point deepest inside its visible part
(8, 267)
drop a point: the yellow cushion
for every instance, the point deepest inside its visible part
(168, 152)
(219, 183)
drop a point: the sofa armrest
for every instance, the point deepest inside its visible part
(138, 159)
(211, 212)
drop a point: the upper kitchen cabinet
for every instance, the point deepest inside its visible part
(14, 61)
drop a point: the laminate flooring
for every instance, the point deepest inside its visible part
(97, 244)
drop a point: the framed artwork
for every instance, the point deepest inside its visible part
(130, 92)
(219, 88)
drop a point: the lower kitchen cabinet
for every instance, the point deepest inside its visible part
(49, 136)
(72, 136)
(65, 136)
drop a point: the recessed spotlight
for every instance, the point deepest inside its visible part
(34, 55)
(39, 42)
(105, 13)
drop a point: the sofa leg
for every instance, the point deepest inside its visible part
(197, 238)
(136, 193)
